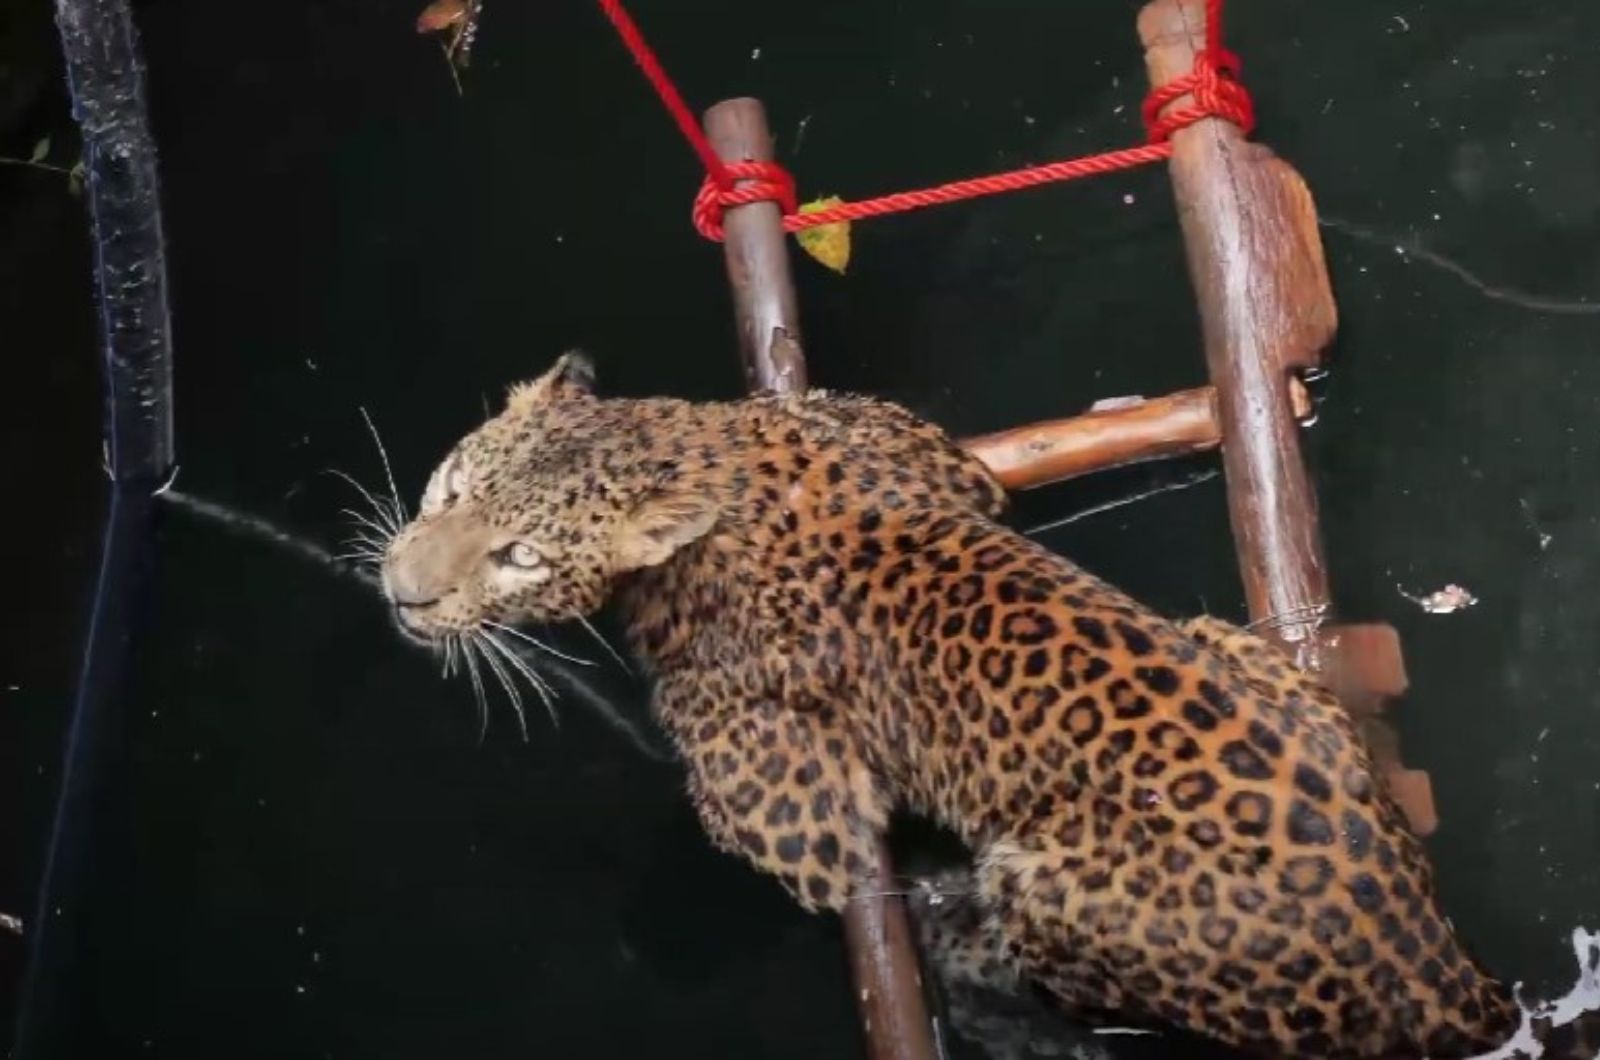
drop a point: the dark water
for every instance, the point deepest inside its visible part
(306, 849)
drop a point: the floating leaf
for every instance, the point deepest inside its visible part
(41, 150)
(829, 244)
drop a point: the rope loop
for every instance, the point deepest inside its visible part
(1216, 91)
(748, 182)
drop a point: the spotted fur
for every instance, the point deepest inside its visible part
(1169, 821)
(986, 996)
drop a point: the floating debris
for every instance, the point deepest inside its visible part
(10, 923)
(457, 20)
(1583, 998)
(441, 15)
(1533, 524)
(1442, 601)
(829, 244)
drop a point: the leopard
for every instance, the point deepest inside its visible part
(980, 992)
(1170, 822)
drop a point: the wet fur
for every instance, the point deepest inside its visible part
(1169, 821)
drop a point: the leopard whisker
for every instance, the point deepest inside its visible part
(606, 644)
(361, 558)
(375, 532)
(477, 688)
(537, 643)
(540, 685)
(388, 518)
(499, 670)
(388, 472)
(525, 668)
(366, 545)
(384, 533)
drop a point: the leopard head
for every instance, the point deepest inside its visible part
(533, 516)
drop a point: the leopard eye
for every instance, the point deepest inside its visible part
(520, 554)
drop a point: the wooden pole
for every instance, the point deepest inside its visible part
(1267, 312)
(1144, 429)
(757, 255)
(883, 958)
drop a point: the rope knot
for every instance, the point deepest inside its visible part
(1217, 93)
(742, 184)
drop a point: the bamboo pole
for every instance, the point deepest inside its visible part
(883, 957)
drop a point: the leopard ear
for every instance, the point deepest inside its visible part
(660, 526)
(573, 373)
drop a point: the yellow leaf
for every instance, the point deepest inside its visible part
(829, 244)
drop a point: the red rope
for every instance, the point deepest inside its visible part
(646, 58)
(1213, 84)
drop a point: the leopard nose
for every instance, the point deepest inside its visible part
(404, 588)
